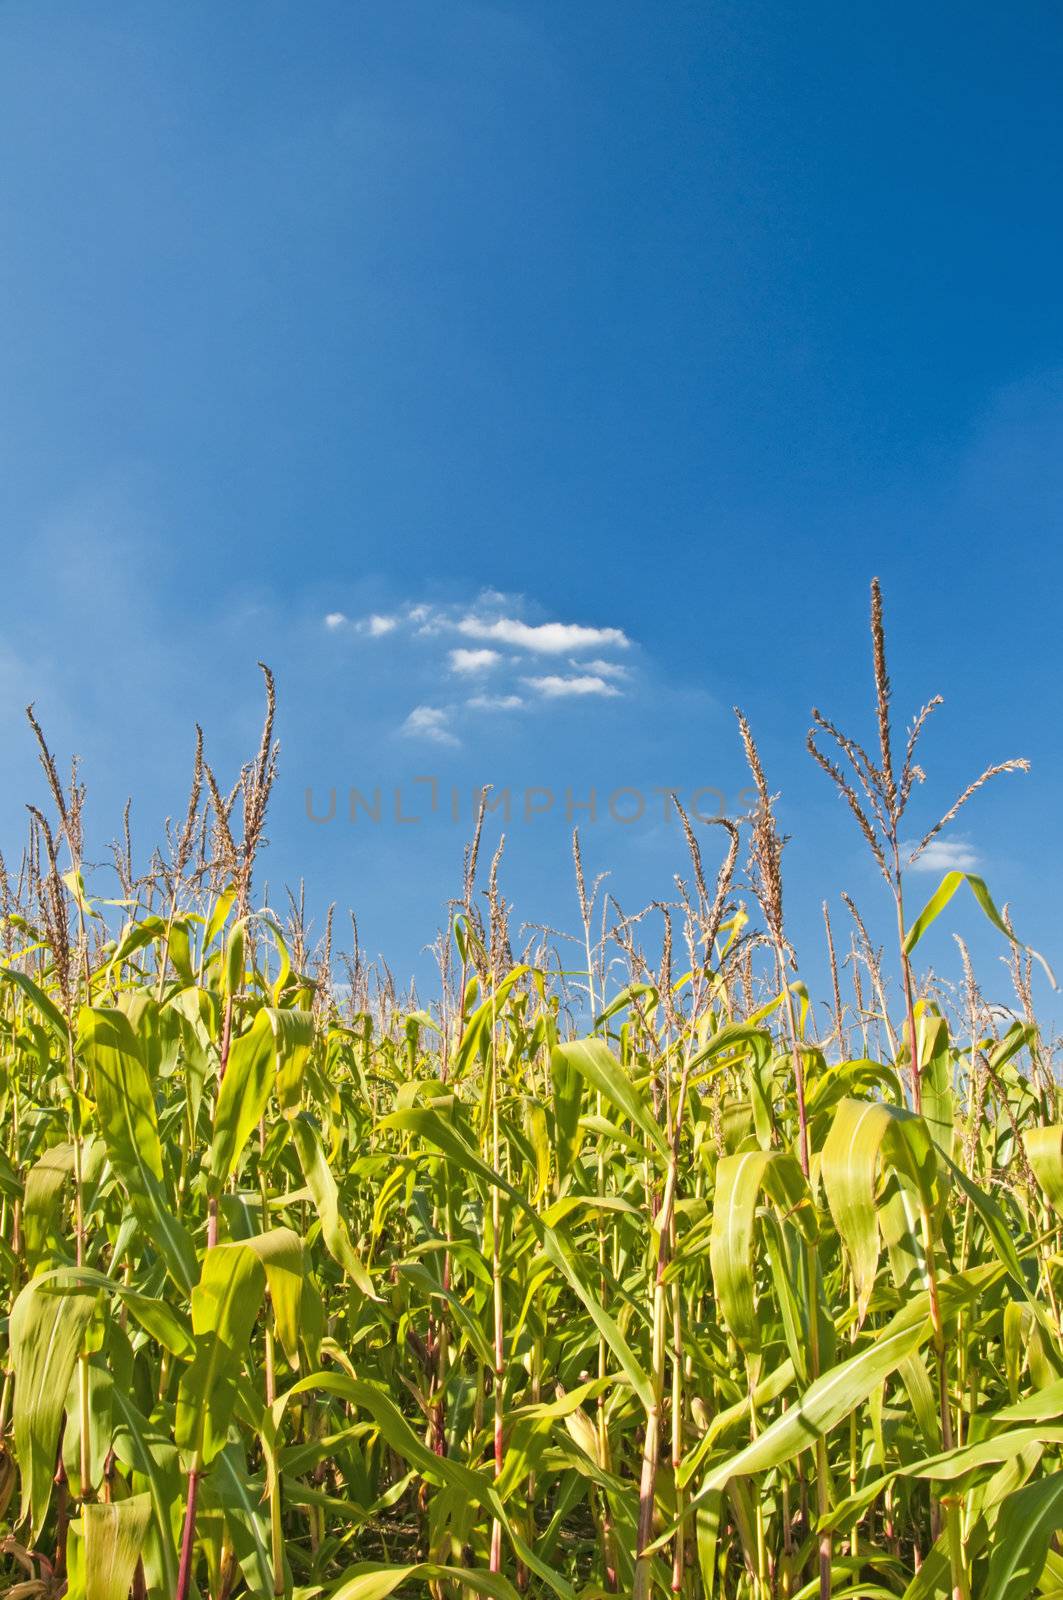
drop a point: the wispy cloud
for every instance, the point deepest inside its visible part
(555, 687)
(481, 622)
(946, 855)
(463, 660)
(495, 702)
(604, 669)
(544, 638)
(374, 626)
(429, 722)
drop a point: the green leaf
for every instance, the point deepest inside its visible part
(1044, 1147)
(739, 1181)
(837, 1392)
(294, 1034)
(145, 1450)
(467, 1483)
(245, 1089)
(106, 1548)
(122, 1092)
(48, 1323)
(40, 1001)
(155, 1316)
(281, 1254)
(322, 1186)
(940, 899)
(225, 1304)
(848, 1168)
(242, 1508)
(558, 1250)
(99, 1394)
(1026, 1523)
(567, 1102)
(371, 1580)
(44, 1185)
(218, 917)
(862, 1133)
(430, 1125)
(127, 1118)
(595, 1062)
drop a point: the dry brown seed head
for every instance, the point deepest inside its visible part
(581, 887)
(1020, 765)
(882, 696)
(847, 792)
(766, 843)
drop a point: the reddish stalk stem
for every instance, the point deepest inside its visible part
(188, 1538)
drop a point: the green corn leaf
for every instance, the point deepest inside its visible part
(99, 1394)
(945, 1467)
(431, 1126)
(48, 1324)
(595, 1062)
(225, 1304)
(373, 1581)
(106, 1547)
(826, 1402)
(233, 967)
(294, 1033)
(218, 917)
(466, 1482)
(155, 1316)
(833, 1395)
(1026, 1523)
(478, 1027)
(1044, 1148)
(129, 1125)
(44, 1185)
(123, 1094)
(940, 899)
(740, 1180)
(848, 1168)
(935, 1071)
(40, 1002)
(146, 1451)
(322, 1186)
(281, 1254)
(863, 1135)
(557, 1249)
(1044, 1405)
(567, 1087)
(707, 1526)
(245, 1089)
(630, 993)
(245, 1518)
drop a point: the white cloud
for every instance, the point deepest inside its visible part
(945, 855)
(604, 669)
(473, 660)
(495, 702)
(376, 626)
(545, 638)
(556, 688)
(428, 722)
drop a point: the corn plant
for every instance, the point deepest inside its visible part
(626, 1277)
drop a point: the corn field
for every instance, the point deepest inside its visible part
(625, 1268)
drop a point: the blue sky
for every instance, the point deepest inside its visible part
(673, 323)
